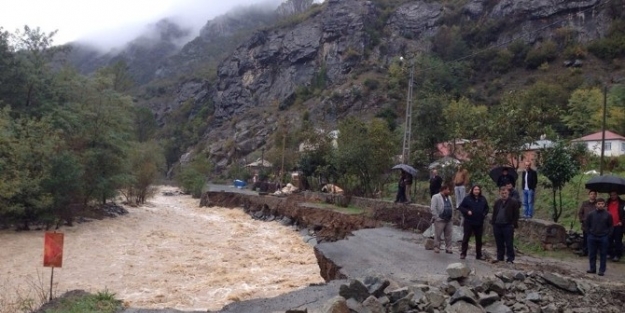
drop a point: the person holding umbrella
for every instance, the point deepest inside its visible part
(616, 208)
(615, 186)
(435, 183)
(401, 188)
(505, 178)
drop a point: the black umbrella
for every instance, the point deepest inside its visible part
(407, 168)
(607, 183)
(497, 171)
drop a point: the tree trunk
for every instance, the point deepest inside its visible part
(555, 209)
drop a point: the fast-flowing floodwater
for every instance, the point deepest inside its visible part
(167, 253)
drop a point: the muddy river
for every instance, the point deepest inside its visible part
(167, 253)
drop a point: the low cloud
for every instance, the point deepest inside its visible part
(190, 15)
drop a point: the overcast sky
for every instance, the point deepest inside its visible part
(108, 22)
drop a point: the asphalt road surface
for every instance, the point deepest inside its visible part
(395, 254)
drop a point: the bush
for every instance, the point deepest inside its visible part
(544, 53)
(575, 52)
(503, 61)
(193, 176)
(608, 48)
(371, 84)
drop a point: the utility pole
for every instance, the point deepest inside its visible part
(283, 148)
(605, 113)
(405, 153)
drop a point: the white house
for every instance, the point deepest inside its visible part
(614, 143)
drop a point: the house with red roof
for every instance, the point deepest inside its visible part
(614, 143)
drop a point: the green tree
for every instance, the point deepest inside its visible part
(33, 81)
(26, 148)
(510, 126)
(97, 126)
(145, 124)
(583, 106)
(147, 164)
(121, 80)
(429, 120)
(193, 175)
(559, 165)
(364, 152)
(463, 120)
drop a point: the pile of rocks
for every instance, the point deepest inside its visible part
(501, 292)
(111, 209)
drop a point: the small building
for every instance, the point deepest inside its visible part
(531, 150)
(614, 143)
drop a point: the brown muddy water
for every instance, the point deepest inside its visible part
(167, 253)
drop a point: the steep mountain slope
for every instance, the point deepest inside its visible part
(251, 76)
(341, 41)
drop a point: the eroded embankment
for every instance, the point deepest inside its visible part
(326, 224)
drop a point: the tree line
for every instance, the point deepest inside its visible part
(67, 141)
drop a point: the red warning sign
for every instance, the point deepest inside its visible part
(53, 250)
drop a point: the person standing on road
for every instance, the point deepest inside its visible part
(529, 180)
(401, 188)
(441, 208)
(474, 208)
(599, 225)
(616, 207)
(461, 181)
(435, 183)
(505, 219)
(408, 181)
(585, 209)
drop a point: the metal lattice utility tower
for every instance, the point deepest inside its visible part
(405, 153)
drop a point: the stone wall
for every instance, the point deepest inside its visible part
(548, 234)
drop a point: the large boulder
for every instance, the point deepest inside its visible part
(561, 282)
(458, 270)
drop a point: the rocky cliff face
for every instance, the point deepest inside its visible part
(267, 69)
(261, 64)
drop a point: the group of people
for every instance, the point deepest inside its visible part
(602, 220)
(602, 227)
(474, 209)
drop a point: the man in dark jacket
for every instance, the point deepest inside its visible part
(435, 183)
(513, 193)
(529, 180)
(616, 207)
(504, 178)
(505, 219)
(600, 226)
(474, 208)
(585, 209)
